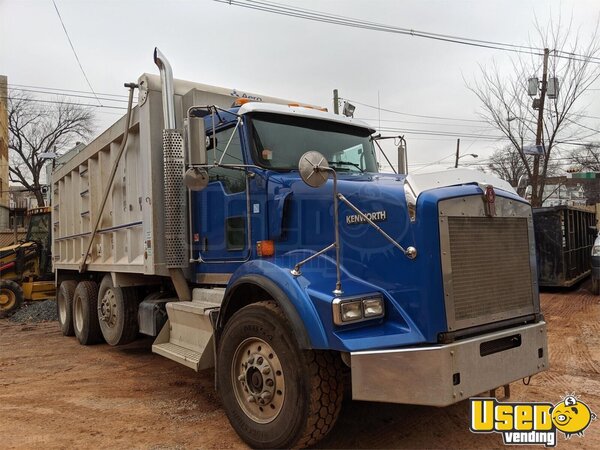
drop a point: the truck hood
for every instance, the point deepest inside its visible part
(369, 191)
(301, 218)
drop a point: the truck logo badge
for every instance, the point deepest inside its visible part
(489, 198)
(377, 216)
(235, 93)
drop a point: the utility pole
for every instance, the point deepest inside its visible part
(540, 130)
(457, 153)
(336, 102)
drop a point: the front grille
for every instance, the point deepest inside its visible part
(490, 269)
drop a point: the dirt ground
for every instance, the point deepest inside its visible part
(57, 394)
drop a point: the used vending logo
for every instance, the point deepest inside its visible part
(530, 423)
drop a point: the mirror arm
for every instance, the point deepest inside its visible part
(409, 252)
(237, 125)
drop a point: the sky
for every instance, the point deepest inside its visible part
(264, 53)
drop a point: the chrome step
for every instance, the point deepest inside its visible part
(187, 337)
(179, 354)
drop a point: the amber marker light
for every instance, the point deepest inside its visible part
(265, 248)
(241, 101)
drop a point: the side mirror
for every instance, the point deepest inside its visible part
(196, 135)
(314, 169)
(195, 178)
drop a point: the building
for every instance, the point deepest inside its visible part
(572, 190)
(4, 195)
(20, 201)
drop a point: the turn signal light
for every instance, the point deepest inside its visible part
(265, 248)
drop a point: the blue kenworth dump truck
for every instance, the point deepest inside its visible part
(256, 236)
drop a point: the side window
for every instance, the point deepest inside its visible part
(233, 180)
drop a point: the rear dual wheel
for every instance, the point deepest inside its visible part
(64, 306)
(117, 313)
(85, 316)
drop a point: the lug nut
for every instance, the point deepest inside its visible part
(269, 382)
(241, 378)
(265, 396)
(251, 399)
(266, 370)
(251, 360)
(260, 360)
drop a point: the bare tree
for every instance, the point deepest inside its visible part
(41, 127)
(507, 107)
(586, 157)
(507, 164)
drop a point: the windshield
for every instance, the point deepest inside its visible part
(280, 141)
(39, 225)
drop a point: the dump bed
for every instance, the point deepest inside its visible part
(131, 234)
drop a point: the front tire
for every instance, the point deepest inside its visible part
(64, 306)
(117, 313)
(275, 394)
(11, 297)
(85, 313)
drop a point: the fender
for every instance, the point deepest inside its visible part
(280, 285)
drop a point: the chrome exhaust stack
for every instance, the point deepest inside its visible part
(174, 191)
(168, 90)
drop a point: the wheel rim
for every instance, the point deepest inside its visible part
(7, 299)
(108, 309)
(258, 380)
(78, 309)
(62, 308)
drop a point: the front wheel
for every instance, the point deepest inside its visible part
(275, 394)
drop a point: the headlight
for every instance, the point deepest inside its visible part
(372, 307)
(596, 250)
(351, 311)
(357, 309)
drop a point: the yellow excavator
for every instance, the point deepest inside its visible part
(26, 266)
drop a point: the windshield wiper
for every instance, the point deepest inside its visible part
(346, 163)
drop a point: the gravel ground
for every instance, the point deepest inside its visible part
(32, 312)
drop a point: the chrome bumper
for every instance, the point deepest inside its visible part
(444, 374)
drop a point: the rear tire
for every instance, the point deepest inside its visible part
(275, 394)
(64, 306)
(11, 297)
(117, 313)
(85, 313)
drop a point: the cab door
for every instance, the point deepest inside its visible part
(221, 208)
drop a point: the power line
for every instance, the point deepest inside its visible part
(65, 103)
(317, 16)
(68, 95)
(74, 52)
(480, 127)
(413, 115)
(12, 85)
(441, 133)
